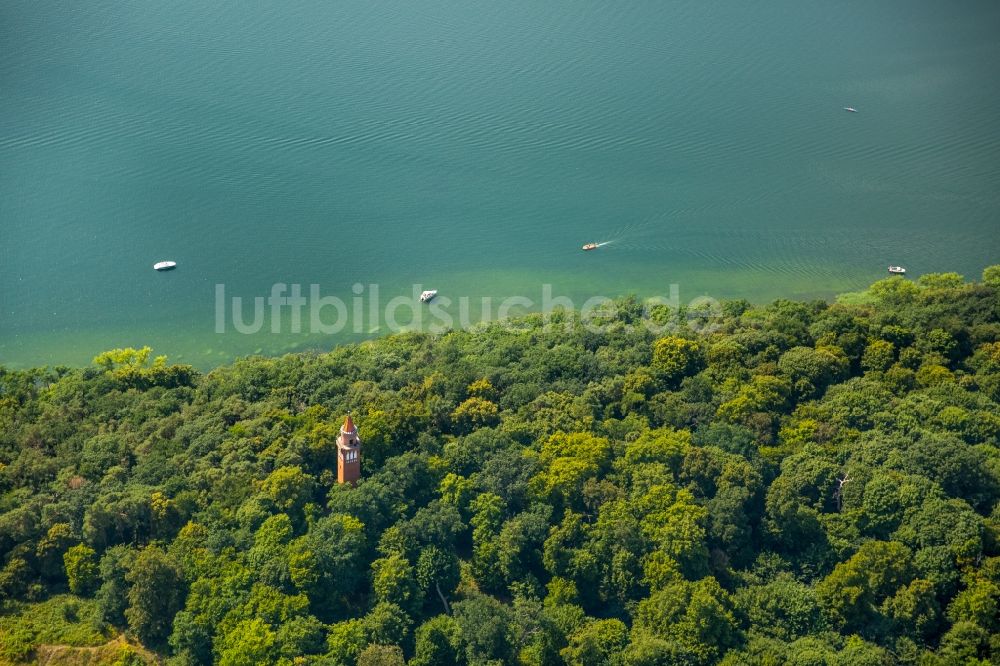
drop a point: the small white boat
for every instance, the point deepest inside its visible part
(897, 270)
(428, 295)
(164, 265)
(850, 109)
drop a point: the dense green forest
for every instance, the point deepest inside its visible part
(800, 483)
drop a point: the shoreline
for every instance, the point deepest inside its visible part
(208, 350)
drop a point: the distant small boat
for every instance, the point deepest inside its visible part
(850, 109)
(164, 265)
(428, 295)
(590, 246)
(897, 270)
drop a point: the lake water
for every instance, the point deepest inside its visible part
(473, 147)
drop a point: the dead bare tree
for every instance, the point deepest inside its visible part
(838, 494)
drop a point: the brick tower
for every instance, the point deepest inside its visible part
(348, 453)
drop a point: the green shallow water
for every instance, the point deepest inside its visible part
(472, 147)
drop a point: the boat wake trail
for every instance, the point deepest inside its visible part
(635, 236)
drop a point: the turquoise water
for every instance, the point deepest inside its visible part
(473, 147)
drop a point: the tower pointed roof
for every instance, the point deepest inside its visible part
(348, 424)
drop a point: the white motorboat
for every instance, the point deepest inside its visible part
(428, 295)
(164, 265)
(850, 109)
(897, 270)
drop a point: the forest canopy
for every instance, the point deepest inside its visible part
(802, 483)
